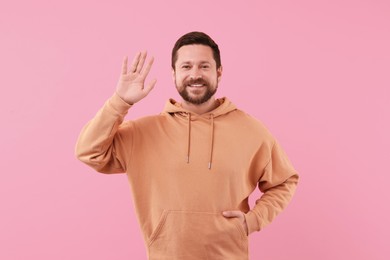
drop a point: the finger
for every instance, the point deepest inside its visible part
(135, 62)
(141, 61)
(232, 214)
(147, 68)
(124, 66)
(150, 86)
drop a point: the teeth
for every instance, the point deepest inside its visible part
(196, 85)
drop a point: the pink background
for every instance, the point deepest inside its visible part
(315, 72)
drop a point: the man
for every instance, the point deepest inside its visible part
(191, 168)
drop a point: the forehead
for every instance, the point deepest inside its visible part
(195, 53)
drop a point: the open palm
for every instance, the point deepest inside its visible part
(131, 85)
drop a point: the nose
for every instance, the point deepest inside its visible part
(195, 74)
(195, 77)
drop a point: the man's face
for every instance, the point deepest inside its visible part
(196, 76)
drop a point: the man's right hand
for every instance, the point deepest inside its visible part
(131, 85)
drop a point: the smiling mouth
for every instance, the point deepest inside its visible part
(196, 85)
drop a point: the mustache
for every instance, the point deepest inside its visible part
(196, 81)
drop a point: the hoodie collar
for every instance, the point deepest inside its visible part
(225, 106)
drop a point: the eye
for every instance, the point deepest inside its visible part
(205, 66)
(186, 66)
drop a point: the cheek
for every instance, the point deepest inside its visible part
(178, 81)
(214, 78)
(180, 78)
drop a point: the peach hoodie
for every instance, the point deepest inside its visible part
(184, 169)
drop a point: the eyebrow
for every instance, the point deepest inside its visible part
(201, 62)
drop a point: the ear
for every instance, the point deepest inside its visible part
(219, 73)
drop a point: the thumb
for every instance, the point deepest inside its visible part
(232, 214)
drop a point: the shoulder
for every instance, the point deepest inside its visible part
(250, 121)
(146, 121)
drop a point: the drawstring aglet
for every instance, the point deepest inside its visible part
(209, 165)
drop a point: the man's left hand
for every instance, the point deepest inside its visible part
(237, 214)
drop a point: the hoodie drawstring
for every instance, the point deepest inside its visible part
(211, 140)
(177, 112)
(189, 138)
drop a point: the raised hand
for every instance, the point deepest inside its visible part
(131, 85)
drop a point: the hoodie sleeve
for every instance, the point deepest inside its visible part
(101, 142)
(277, 183)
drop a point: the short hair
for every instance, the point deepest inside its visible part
(196, 38)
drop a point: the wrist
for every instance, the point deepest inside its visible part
(121, 97)
(119, 104)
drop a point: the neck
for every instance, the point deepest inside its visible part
(207, 106)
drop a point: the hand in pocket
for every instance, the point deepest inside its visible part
(239, 215)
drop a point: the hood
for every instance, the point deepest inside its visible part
(224, 107)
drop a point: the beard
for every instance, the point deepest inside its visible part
(184, 91)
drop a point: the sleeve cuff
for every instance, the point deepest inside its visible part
(252, 222)
(118, 104)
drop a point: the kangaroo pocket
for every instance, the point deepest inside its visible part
(197, 235)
